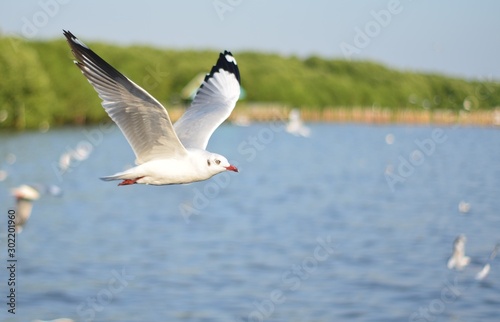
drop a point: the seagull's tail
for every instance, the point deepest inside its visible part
(109, 178)
(117, 176)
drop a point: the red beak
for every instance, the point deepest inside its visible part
(232, 168)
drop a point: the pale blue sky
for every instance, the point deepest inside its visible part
(454, 37)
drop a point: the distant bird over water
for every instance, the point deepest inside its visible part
(463, 207)
(481, 275)
(295, 125)
(458, 260)
(166, 153)
(25, 195)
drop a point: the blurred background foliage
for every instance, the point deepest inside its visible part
(40, 87)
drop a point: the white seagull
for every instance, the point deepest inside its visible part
(25, 195)
(165, 153)
(458, 260)
(295, 125)
(481, 275)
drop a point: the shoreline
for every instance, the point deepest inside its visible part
(256, 113)
(245, 114)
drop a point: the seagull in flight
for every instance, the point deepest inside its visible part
(25, 195)
(166, 153)
(458, 260)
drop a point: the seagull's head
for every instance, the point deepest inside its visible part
(216, 163)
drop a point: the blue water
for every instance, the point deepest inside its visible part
(341, 226)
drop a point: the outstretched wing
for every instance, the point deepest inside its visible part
(142, 119)
(213, 103)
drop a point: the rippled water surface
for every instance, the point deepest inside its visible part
(341, 226)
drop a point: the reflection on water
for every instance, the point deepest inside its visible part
(354, 223)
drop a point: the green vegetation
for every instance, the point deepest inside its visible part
(39, 84)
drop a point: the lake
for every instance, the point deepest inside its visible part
(355, 223)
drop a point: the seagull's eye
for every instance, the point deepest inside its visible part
(208, 162)
(217, 162)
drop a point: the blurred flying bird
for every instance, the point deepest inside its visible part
(295, 125)
(25, 195)
(463, 207)
(458, 260)
(481, 275)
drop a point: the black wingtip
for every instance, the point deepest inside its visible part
(83, 55)
(70, 37)
(68, 34)
(226, 62)
(73, 41)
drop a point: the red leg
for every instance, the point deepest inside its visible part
(126, 182)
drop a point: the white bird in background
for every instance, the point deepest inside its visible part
(458, 260)
(295, 125)
(166, 153)
(463, 207)
(25, 195)
(80, 153)
(64, 162)
(481, 275)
